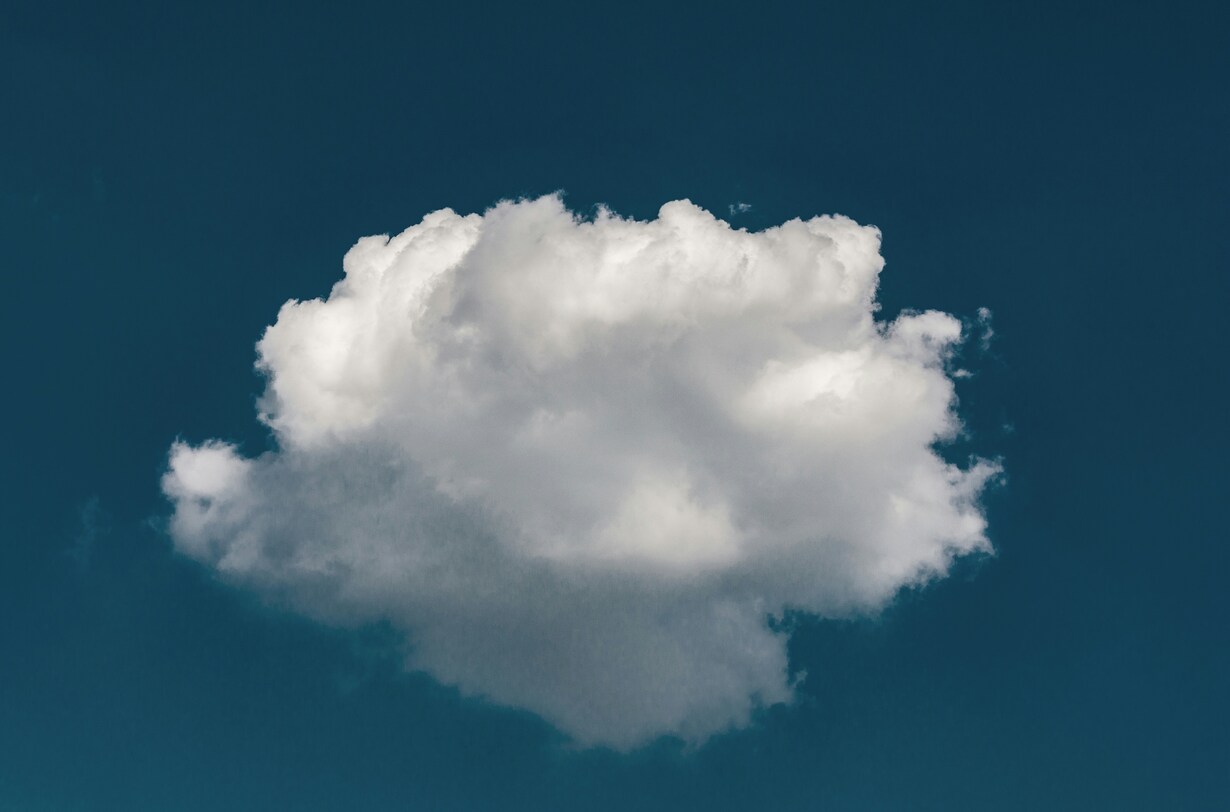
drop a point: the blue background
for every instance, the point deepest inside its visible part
(169, 176)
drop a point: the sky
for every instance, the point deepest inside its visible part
(1051, 633)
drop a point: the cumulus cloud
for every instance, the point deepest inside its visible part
(581, 463)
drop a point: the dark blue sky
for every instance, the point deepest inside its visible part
(168, 177)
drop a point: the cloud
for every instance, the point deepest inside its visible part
(92, 523)
(988, 333)
(581, 463)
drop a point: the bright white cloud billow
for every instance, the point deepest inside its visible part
(580, 463)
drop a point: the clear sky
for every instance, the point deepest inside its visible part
(169, 176)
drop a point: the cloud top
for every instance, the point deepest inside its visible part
(580, 462)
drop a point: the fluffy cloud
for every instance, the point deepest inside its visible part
(581, 462)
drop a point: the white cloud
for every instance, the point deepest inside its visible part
(580, 463)
(988, 333)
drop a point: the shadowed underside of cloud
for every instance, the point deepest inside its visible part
(581, 462)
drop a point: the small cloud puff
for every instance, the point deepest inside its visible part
(987, 334)
(582, 463)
